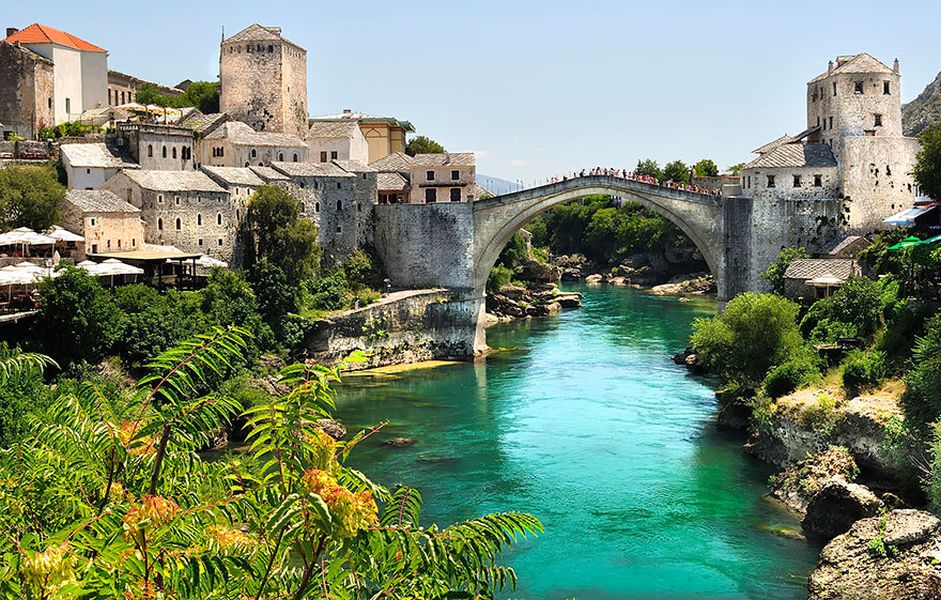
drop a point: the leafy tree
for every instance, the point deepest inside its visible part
(78, 319)
(155, 321)
(859, 303)
(736, 169)
(112, 500)
(754, 333)
(922, 399)
(204, 95)
(927, 171)
(148, 93)
(278, 235)
(423, 145)
(676, 171)
(275, 295)
(706, 168)
(22, 392)
(648, 167)
(774, 274)
(514, 252)
(30, 196)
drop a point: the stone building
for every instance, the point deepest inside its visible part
(26, 91)
(108, 223)
(815, 278)
(156, 147)
(384, 135)
(235, 144)
(122, 88)
(184, 209)
(79, 75)
(427, 178)
(89, 166)
(264, 81)
(240, 182)
(337, 140)
(847, 171)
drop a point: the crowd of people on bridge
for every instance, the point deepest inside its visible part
(639, 177)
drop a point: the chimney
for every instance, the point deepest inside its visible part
(347, 111)
(895, 66)
(11, 31)
(830, 67)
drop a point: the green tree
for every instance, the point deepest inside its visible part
(147, 93)
(279, 235)
(754, 333)
(706, 168)
(922, 399)
(774, 274)
(676, 171)
(204, 95)
(78, 319)
(30, 196)
(927, 171)
(736, 169)
(648, 167)
(423, 145)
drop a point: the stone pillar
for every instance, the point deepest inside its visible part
(734, 276)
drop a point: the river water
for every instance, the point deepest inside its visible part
(583, 420)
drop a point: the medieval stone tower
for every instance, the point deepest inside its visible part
(263, 80)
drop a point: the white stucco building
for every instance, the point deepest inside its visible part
(89, 166)
(337, 140)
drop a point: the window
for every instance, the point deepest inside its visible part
(179, 224)
(339, 229)
(68, 106)
(199, 242)
(431, 196)
(455, 194)
(150, 151)
(159, 198)
(878, 120)
(857, 87)
(108, 244)
(831, 123)
(238, 214)
(50, 103)
(134, 242)
(119, 244)
(834, 88)
(159, 224)
(295, 157)
(219, 219)
(339, 185)
(174, 152)
(88, 171)
(770, 181)
(797, 181)
(92, 221)
(359, 207)
(270, 48)
(323, 157)
(455, 175)
(254, 153)
(280, 156)
(885, 88)
(109, 97)
(122, 97)
(199, 219)
(164, 152)
(339, 206)
(303, 207)
(316, 207)
(176, 200)
(430, 175)
(818, 180)
(303, 185)
(334, 155)
(94, 248)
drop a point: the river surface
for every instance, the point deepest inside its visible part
(583, 420)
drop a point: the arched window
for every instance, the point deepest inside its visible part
(164, 151)
(295, 157)
(150, 151)
(159, 224)
(174, 152)
(219, 219)
(199, 219)
(246, 164)
(179, 224)
(238, 214)
(339, 205)
(280, 156)
(254, 153)
(317, 207)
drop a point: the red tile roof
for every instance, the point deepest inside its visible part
(43, 34)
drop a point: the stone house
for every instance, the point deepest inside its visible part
(814, 278)
(384, 135)
(185, 209)
(108, 223)
(337, 140)
(156, 147)
(89, 166)
(79, 75)
(26, 91)
(235, 144)
(428, 178)
(263, 79)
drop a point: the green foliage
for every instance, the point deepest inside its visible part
(78, 319)
(676, 171)
(859, 303)
(351, 283)
(649, 168)
(500, 277)
(22, 392)
(706, 168)
(110, 499)
(877, 547)
(514, 252)
(204, 95)
(927, 171)
(828, 331)
(774, 274)
(736, 169)
(754, 333)
(67, 129)
(154, 321)
(802, 369)
(821, 415)
(30, 196)
(423, 145)
(863, 370)
(922, 399)
(279, 235)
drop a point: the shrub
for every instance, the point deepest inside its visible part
(828, 331)
(327, 293)
(774, 274)
(800, 370)
(922, 398)
(499, 278)
(859, 302)
(863, 370)
(821, 416)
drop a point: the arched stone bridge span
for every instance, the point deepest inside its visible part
(455, 245)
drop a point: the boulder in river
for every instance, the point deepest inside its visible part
(333, 428)
(894, 556)
(400, 442)
(834, 509)
(796, 486)
(594, 279)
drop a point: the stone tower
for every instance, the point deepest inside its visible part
(263, 80)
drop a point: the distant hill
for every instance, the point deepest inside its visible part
(495, 185)
(923, 110)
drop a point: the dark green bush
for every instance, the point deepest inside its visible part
(863, 370)
(922, 399)
(859, 302)
(499, 278)
(802, 369)
(828, 331)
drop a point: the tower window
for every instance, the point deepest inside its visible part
(797, 181)
(159, 224)
(831, 123)
(834, 88)
(199, 219)
(878, 120)
(455, 175)
(254, 153)
(150, 151)
(857, 87)
(174, 152)
(323, 156)
(280, 156)
(295, 157)
(770, 181)
(339, 186)
(818, 180)
(179, 224)
(455, 194)
(334, 155)
(219, 219)
(885, 88)
(164, 151)
(339, 206)
(430, 175)
(316, 207)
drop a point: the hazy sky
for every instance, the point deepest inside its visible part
(536, 87)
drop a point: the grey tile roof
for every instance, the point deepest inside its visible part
(203, 123)
(795, 155)
(227, 176)
(95, 155)
(367, 119)
(260, 33)
(391, 181)
(857, 63)
(240, 133)
(298, 169)
(268, 174)
(462, 159)
(784, 139)
(353, 166)
(174, 181)
(849, 247)
(99, 201)
(397, 161)
(810, 268)
(332, 129)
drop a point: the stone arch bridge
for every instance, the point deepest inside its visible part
(455, 245)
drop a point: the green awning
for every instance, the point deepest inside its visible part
(909, 241)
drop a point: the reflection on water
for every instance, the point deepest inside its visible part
(583, 420)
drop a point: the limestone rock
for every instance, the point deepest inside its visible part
(400, 442)
(862, 564)
(796, 486)
(594, 279)
(333, 428)
(569, 300)
(686, 284)
(836, 507)
(533, 270)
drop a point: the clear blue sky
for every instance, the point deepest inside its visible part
(536, 87)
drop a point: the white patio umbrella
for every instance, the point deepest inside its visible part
(64, 235)
(113, 266)
(24, 236)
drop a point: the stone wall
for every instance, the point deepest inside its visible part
(26, 91)
(876, 179)
(404, 327)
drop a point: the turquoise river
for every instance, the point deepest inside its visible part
(583, 420)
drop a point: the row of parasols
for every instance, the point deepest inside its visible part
(27, 273)
(915, 241)
(25, 237)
